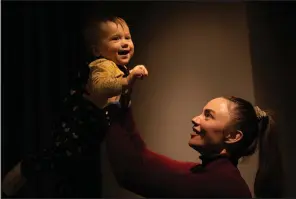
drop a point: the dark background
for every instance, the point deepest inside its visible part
(272, 30)
(42, 46)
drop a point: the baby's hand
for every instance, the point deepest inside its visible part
(139, 71)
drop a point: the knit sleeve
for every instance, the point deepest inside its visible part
(105, 78)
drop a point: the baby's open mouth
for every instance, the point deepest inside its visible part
(123, 52)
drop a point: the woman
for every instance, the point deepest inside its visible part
(228, 128)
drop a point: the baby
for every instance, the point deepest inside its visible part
(109, 79)
(82, 123)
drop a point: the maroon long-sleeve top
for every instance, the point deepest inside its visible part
(149, 174)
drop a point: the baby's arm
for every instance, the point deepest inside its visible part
(104, 79)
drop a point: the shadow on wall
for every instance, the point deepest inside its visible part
(272, 37)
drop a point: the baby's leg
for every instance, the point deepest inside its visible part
(13, 181)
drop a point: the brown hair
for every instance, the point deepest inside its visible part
(258, 133)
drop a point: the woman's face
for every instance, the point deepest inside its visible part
(209, 127)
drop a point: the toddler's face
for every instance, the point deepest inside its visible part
(116, 43)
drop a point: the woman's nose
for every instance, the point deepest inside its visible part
(196, 120)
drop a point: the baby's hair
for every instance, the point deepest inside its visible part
(92, 30)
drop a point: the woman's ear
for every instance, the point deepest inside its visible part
(234, 137)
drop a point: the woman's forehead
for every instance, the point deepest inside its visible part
(219, 106)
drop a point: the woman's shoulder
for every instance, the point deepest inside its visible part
(221, 178)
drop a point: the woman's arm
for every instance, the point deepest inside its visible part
(138, 169)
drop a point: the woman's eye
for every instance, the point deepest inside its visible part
(208, 115)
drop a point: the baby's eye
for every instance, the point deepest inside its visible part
(128, 37)
(115, 38)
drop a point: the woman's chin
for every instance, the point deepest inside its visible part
(196, 140)
(195, 145)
